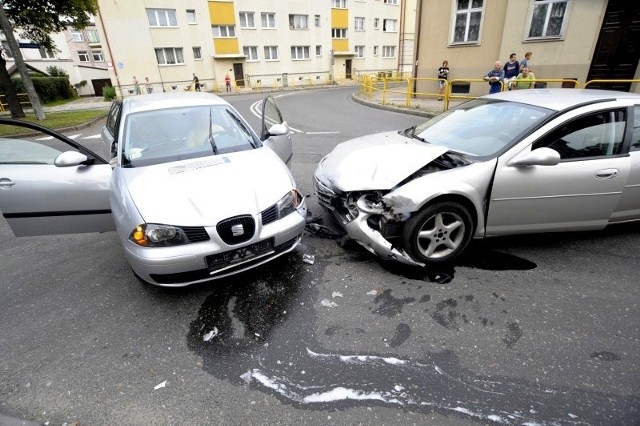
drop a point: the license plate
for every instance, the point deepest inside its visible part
(221, 260)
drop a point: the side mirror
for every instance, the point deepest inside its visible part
(70, 159)
(537, 157)
(278, 129)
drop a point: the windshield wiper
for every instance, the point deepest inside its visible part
(411, 132)
(211, 140)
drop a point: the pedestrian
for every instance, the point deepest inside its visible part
(136, 86)
(443, 74)
(525, 61)
(227, 82)
(524, 80)
(196, 82)
(511, 68)
(148, 85)
(495, 77)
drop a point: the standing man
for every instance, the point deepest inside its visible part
(136, 85)
(511, 68)
(196, 82)
(227, 82)
(495, 77)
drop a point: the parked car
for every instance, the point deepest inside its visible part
(511, 163)
(193, 193)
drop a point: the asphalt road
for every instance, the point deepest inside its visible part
(526, 330)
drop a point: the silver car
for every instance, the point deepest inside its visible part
(515, 162)
(193, 193)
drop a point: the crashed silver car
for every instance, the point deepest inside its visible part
(193, 193)
(526, 161)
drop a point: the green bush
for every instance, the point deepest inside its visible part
(109, 93)
(48, 88)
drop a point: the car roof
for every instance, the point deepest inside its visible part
(166, 100)
(561, 99)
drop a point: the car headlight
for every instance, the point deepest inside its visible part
(154, 235)
(289, 203)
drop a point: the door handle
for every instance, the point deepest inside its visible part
(6, 183)
(606, 173)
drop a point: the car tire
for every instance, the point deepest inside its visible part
(438, 233)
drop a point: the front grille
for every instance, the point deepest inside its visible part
(269, 215)
(325, 194)
(195, 234)
(236, 230)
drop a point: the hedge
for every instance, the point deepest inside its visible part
(48, 88)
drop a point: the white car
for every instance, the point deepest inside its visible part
(511, 163)
(193, 193)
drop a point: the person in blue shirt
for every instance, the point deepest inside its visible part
(495, 77)
(511, 68)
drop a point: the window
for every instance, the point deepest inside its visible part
(635, 138)
(76, 36)
(6, 50)
(271, 53)
(339, 4)
(92, 36)
(44, 54)
(547, 18)
(299, 52)
(223, 31)
(388, 51)
(338, 33)
(246, 20)
(376, 22)
(467, 24)
(359, 51)
(83, 56)
(318, 50)
(251, 52)
(390, 25)
(197, 53)
(298, 22)
(191, 16)
(97, 56)
(317, 20)
(169, 56)
(375, 50)
(593, 135)
(359, 24)
(268, 20)
(162, 17)
(390, 1)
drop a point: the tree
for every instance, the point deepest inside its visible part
(36, 21)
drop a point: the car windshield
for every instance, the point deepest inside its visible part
(173, 134)
(481, 127)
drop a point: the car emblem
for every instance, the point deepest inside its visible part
(237, 230)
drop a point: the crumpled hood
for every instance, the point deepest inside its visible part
(203, 191)
(376, 162)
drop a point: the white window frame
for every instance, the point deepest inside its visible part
(375, 50)
(162, 17)
(77, 36)
(376, 23)
(299, 53)
(270, 53)
(390, 25)
(359, 51)
(83, 56)
(549, 6)
(97, 56)
(298, 22)
(394, 2)
(223, 31)
(358, 23)
(339, 4)
(197, 53)
(92, 35)
(338, 33)
(164, 55)
(44, 54)
(316, 20)
(318, 50)
(191, 16)
(465, 14)
(251, 52)
(388, 51)
(268, 18)
(247, 20)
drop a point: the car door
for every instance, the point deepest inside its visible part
(579, 192)
(50, 184)
(628, 207)
(109, 131)
(275, 131)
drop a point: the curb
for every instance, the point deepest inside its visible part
(422, 113)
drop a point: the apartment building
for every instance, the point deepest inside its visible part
(258, 43)
(570, 39)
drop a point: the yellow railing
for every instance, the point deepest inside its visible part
(22, 97)
(586, 84)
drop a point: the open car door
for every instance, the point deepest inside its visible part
(50, 184)
(275, 131)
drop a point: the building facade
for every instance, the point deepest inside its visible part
(569, 39)
(259, 44)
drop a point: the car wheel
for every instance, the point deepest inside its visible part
(438, 233)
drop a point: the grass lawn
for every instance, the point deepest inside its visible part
(60, 120)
